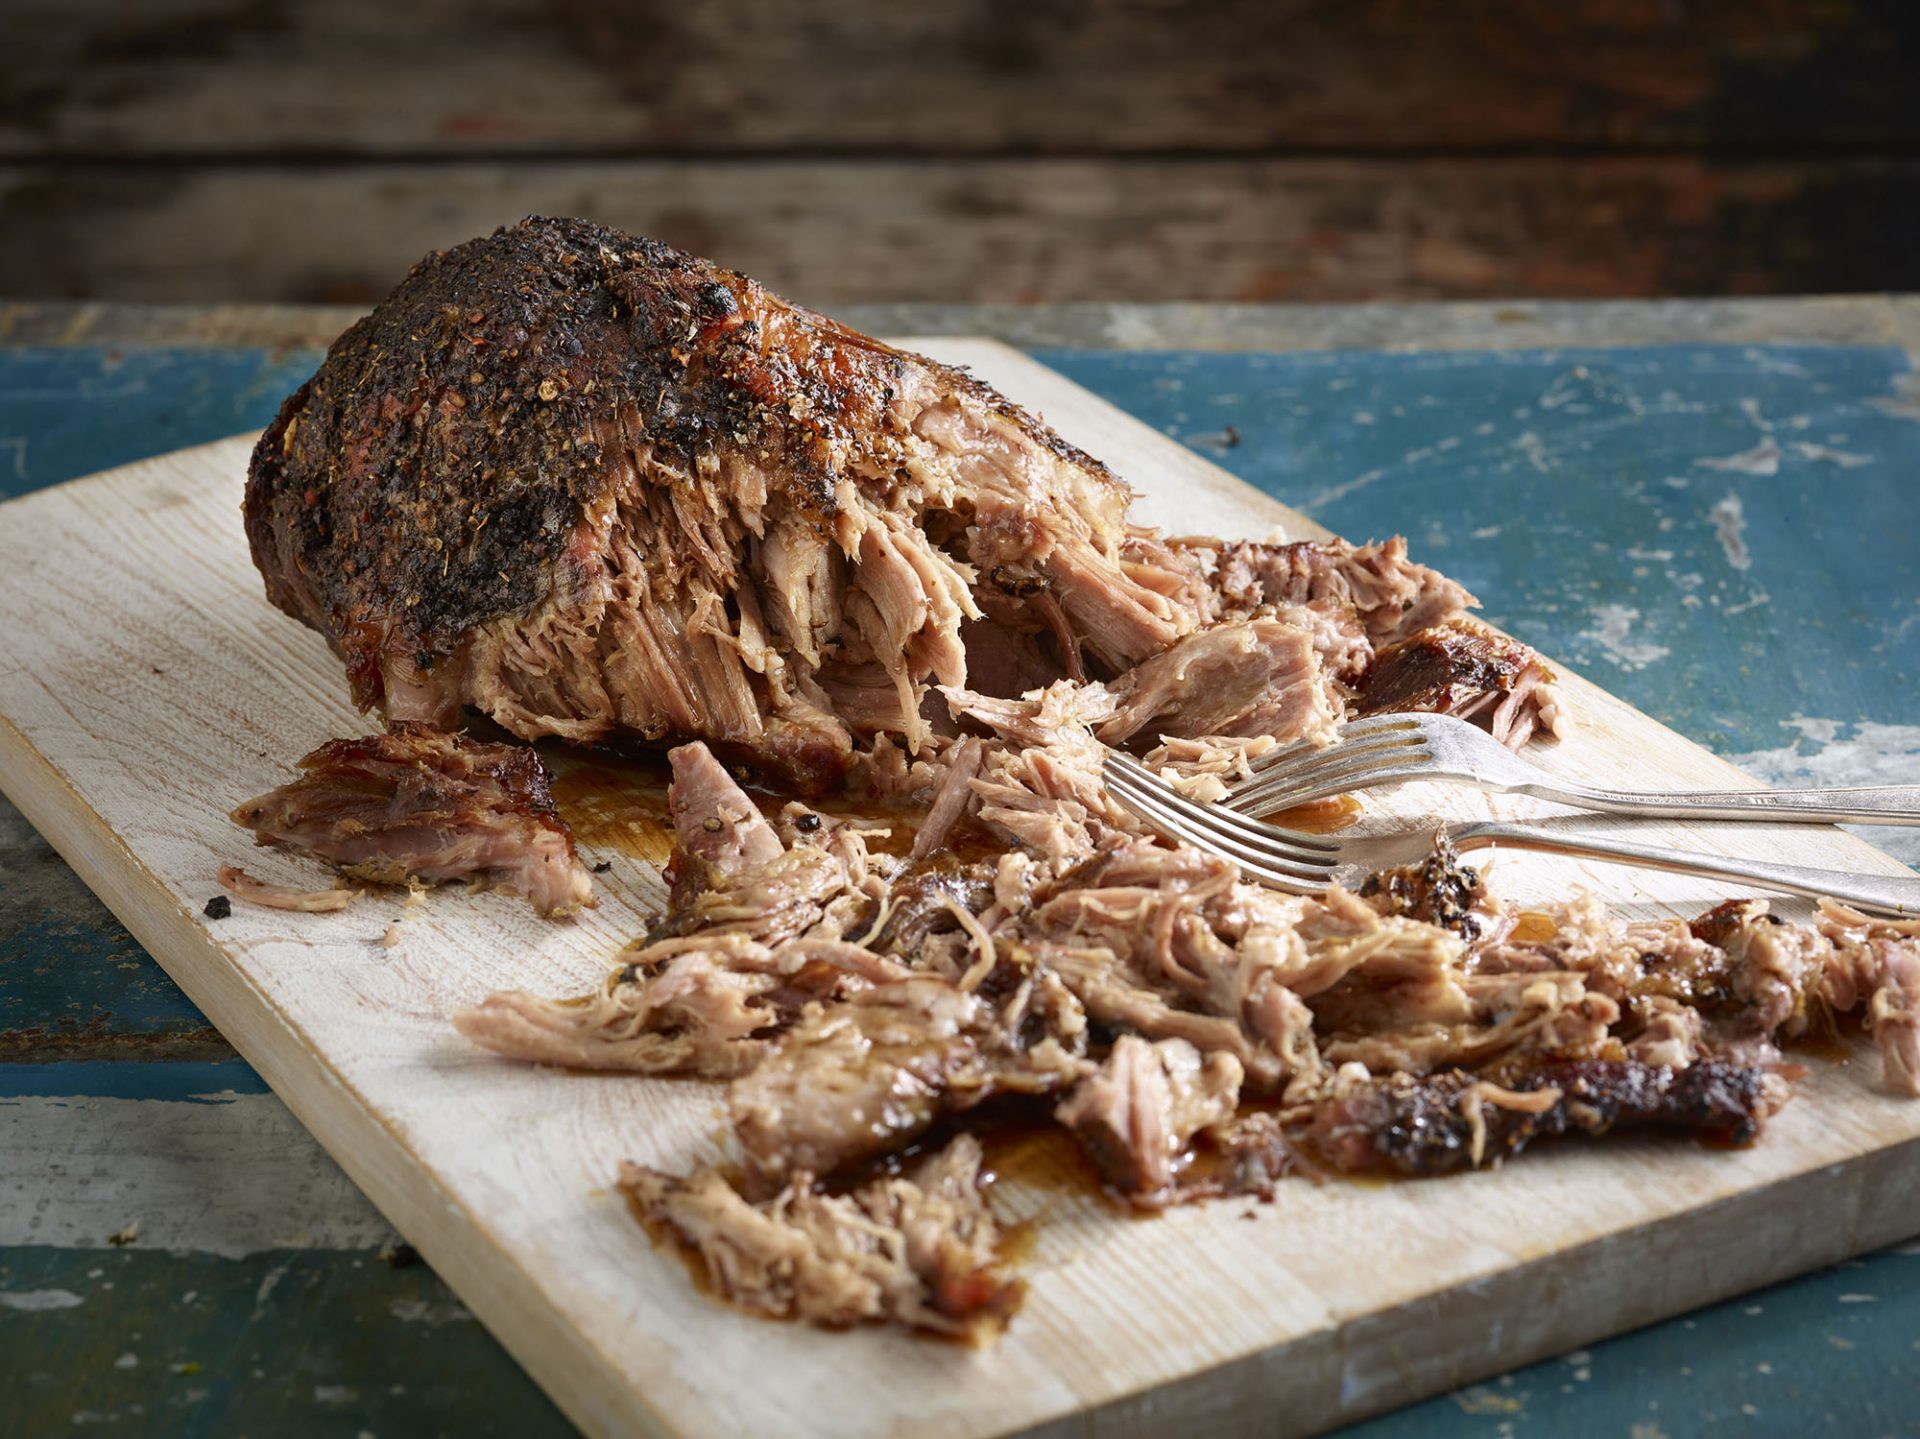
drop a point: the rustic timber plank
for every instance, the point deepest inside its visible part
(90, 78)
(832, 231)
(1119, 325)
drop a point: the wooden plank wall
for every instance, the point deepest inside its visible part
(998, 150)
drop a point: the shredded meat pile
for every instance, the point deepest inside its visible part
(599, 490)
(1198, 1035)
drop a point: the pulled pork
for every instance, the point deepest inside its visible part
(1199, 1036)
(597, 489)
(920, 1248)
(594, 487)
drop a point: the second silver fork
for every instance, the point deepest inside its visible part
(1393, 749)
(1308, 863)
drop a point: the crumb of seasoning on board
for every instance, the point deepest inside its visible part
(219, 907)
(603, 866)
(120, 1239)
(400, 1254)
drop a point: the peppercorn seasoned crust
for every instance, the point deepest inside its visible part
(559, 421)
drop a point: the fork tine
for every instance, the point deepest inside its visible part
(1359, 768)
(1264, 867)
(1258, 803)
(1338, 754)
(1250, 860)
(1366, 728)
(1125, 772)
(1215, 817)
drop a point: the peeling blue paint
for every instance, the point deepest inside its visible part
(1574, 492)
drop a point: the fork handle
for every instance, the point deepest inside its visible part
(1885, 894)
(1865, 804)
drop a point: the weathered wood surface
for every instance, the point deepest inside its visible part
(828, 232)
(1481, 325)
(978, 151)
(171, 682)
(226, 78)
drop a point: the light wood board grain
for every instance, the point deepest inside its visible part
(146, 686)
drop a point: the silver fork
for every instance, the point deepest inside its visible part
(1308, 863)
(1391, 749)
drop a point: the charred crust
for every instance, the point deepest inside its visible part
(439, 468)
(1719, 924)
(1439, 890)
(1438, 668)
(1417, 1126)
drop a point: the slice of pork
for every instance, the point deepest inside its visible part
(420, 805)
(1461, 1120)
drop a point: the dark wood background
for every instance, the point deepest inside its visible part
(1003, 150)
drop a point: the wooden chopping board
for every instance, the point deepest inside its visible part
(146, 686)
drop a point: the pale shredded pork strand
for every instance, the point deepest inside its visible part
(241, 885)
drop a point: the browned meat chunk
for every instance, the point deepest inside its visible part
(919, 1249)
(418, 804)
(1460, 1119)
(1464, 669)
(858, 1079)
(718, 831)
(1138, 1113)
(923, 901)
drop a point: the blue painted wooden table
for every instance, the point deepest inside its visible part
(1723, 533)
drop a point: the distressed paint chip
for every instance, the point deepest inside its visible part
(39, 1301)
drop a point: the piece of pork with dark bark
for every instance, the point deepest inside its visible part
(417, 805)
(1462, 668)
(1461, 1119)
(1138, 1113)
(861, 1078)
(591, 485)
(595, 487)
